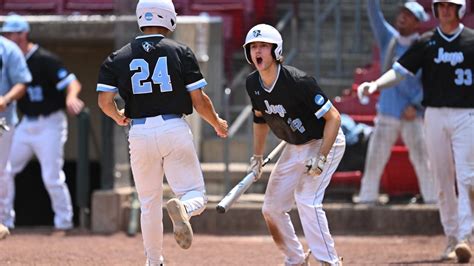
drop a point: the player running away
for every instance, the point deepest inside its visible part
(291, 104)
(160, 81)
(446, 57)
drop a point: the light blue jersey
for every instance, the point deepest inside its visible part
(13, 70)
(394, 100)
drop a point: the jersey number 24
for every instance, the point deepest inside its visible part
(160, 76)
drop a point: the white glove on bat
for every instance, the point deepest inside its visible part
(256, 164)
(365, 89)
(315, 165)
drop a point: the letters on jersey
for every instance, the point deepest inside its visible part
(447, 64)
(293, 109)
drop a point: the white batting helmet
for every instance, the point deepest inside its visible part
(156, 13)
(460, 3)
(264, 33)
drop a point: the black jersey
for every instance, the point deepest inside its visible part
(46, 92)
(447, 64)
(153, 75)
(293, 109)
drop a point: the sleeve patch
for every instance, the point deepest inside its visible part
(319, 99)
(62, 73)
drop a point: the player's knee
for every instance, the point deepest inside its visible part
(269, 211)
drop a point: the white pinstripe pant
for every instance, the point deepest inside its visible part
(386, 131)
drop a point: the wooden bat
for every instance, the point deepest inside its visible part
(235, 193)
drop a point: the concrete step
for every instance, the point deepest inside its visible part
(111, 213)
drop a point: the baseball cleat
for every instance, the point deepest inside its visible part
(4, 232)
(183, 232)
(463, 251)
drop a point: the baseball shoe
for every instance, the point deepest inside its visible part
(148, 263)
(339, 263)
(463, 251)
(183, 232)
(4, 232)
(449, 253)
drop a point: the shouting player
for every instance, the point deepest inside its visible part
(291, 104)
(160, 81)
(446, 57)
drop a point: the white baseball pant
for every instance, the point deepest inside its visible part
(44, 137)
(288, 184)
(5, 188)
(450, 142)
(385, 134)
(164, 147)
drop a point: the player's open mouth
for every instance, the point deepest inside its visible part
(259, 60)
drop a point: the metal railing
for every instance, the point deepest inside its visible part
(334, 8)
(290, 18)
(82, 169)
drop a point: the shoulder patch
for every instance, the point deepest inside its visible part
(319, 99)
(62, 73)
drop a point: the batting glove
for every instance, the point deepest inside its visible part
(256, 164)
(3, 126)
(315, 165)
(365, 89)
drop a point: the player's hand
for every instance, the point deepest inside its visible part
(221, 128)
(364, 90)
(315, 166)
(3, 104)
(409, 113)
(121, 119)
(74, 105)
(3, 126)
(256, 164)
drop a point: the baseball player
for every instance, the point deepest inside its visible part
(291, 104)
(14, 75)
(399, 110)
(160, 81)
(446, 57)
(43, 128)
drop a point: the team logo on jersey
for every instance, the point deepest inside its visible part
(453, 58)
(148, 16)
(319, 99)
(148, 46)
(257, 33)
(62, 73)
(256, 92)
(275, 109)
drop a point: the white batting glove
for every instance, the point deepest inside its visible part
(364, 90)
(3, 126)
(315, 165)
(256, 164)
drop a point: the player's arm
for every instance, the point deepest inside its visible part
(388, 79)
(203, 105)
(74, 105)
(15, 93)
(109, 107)
(260, 132)
(331, 128)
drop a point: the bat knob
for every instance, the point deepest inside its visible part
(220, 209)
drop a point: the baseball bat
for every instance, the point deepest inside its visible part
(239, 189)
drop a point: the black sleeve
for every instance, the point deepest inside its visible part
(256, 119)
(313, 97)
(57, 73)
(412, 59)
(192, 73)
(106, 74)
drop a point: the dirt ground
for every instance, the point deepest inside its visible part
(40, 246)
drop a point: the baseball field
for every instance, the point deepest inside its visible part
(42, 246)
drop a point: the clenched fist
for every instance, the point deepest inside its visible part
(315, 165)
